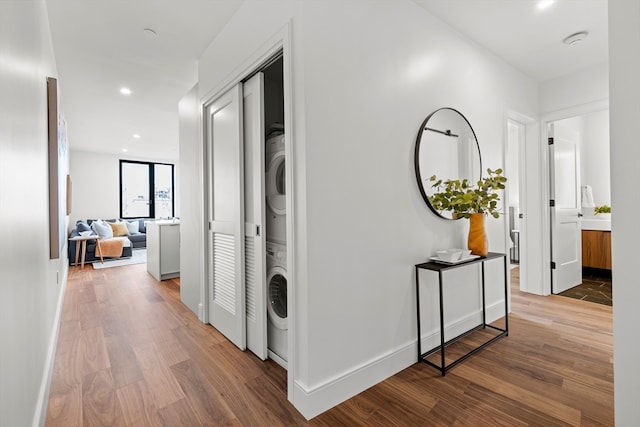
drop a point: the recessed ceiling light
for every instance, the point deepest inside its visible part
(125, 91)
(136, 136)
(124, 150)
(150, 32)
(575, 39)
(543, 4)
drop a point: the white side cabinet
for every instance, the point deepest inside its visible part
(163, 249)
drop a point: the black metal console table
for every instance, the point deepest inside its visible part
(440, 268)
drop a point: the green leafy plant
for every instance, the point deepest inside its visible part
(464, 198)
(601, 209)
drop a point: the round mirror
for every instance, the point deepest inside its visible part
(447, 149)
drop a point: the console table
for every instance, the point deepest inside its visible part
(440, 269)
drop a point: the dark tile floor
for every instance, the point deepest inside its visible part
(593, 288)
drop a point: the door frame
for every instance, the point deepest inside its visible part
(546, 119)
(529, 135)
(279, 42)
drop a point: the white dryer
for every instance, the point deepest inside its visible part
(275, 189)
(277, 326)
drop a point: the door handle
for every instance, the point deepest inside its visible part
(520, 216)
(580, 215)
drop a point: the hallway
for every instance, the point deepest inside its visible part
(131, 354)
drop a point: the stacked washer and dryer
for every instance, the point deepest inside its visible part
(276, 248)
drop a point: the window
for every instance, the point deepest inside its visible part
(146, 190)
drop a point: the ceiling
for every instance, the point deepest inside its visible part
(101, 46)
(529, 38)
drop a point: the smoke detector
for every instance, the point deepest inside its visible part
(575, 39)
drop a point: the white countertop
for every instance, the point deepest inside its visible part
(165, 222)
(596, 224)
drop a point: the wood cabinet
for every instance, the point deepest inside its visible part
(596, 249)
(163, 249)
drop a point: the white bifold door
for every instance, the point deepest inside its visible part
(254, 215)
(235, 276)
(566, 223)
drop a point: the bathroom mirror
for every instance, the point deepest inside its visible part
(446, 147)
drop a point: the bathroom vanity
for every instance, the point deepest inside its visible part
(596, 243)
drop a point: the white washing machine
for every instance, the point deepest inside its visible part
(275, 190)
(277, 325)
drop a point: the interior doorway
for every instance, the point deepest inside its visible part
(515, 138)
(518, 130)
(579, 177)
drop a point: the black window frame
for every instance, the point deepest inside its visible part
(152, 198)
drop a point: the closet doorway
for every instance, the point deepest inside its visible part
(239, 123)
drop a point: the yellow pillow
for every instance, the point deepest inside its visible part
(119, 228)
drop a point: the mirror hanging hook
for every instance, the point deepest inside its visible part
(444, 132)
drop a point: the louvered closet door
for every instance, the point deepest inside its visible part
(226, 218)
(254, 215)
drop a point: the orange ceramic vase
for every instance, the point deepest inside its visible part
(477, 241)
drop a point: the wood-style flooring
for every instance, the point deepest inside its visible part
(131, 354)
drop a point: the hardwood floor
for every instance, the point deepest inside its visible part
(131, 354)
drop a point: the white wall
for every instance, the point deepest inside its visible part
(31, 286)
(583, 87)
(624, 57)
(595, 156)
(191, 184)
(95, 180)
(96, 183)
(365, 74)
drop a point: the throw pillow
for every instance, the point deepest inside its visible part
(82, 226)
(102, 229)
(133, 227)
(118, 228)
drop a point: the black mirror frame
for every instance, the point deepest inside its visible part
(416, 157)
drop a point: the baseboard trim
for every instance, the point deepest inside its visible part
(40, 414)
(312, 401)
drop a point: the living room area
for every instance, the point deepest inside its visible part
(112, 201)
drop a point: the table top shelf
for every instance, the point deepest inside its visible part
(437, 266)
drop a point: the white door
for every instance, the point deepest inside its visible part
(566, 233)
(254, 215)
(226, 217)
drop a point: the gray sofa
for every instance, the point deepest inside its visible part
(138, 240)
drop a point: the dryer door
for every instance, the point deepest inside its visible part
(277, 294)
(276, 191)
